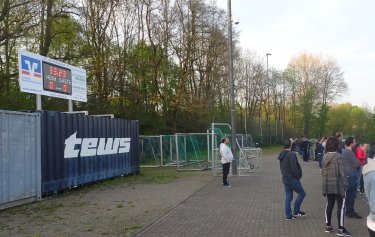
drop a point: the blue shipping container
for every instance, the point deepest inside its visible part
(79, 149)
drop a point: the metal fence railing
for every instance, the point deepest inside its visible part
(199, 151)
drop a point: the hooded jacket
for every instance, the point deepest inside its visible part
(334, 180)
(369, 181)
(289, 165)
(226, 154)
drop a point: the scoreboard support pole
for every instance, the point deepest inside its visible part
(70, 106)
(38, 102)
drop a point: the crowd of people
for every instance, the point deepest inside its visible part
(347, 168)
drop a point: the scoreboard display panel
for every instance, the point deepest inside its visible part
(46, 76)
(56, 78)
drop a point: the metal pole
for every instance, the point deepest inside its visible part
(177, 153)
(213, 160)
(232, 98)
(161, 150)
(38, 102)
(268, 98)
(70, 106)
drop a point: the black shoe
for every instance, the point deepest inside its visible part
(343, 232)
(299, 213)
(227, 185)
(353, 215)
(329, 229)
(292, 217)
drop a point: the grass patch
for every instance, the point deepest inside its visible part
(89, 229)
(120, 205)
(32, 209)
(49, 208)
(78, 204)
(159, 175)
(271, 150)
(132, 227)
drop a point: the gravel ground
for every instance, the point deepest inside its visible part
(100, 210)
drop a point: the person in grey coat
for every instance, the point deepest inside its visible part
(351, 171)
(334, 185)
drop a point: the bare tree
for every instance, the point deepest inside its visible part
(98, 26)
(250, 74)
(332, 86)
(15, 22)
(317, 82)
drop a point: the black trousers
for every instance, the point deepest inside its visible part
(372, 233)
(226, 167)
(361, 185)
(331, 198)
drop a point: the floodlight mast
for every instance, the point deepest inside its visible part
(232, 97)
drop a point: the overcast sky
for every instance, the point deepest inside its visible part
(343, 29)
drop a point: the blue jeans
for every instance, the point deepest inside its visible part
(359, 176)
(290, 185)
(319, 158)
(351, 193)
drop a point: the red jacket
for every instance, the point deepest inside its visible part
(361, 155)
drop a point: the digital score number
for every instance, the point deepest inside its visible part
(57, 79)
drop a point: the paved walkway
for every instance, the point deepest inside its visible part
(253, 206)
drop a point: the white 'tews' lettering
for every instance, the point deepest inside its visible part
(90, 146)
(70, 142)
(108, 148)
(124, 145)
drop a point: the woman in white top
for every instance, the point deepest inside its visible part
(226, 159)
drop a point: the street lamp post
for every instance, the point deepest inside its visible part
(268, 98)
(232, 101)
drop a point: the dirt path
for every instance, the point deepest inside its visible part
(114, 210)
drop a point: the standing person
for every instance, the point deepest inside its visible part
(293, 141)
(371, 153)
(361, 155)
(334, 184)
(340, 136)
(226, 159)
(319, 152)
(351, 172)
(369, 180)
(305, 149)
(291, 174)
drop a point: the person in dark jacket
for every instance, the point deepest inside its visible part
(371, 153)
(305, 149)
(291, 174)
(334, 185)
(351, 171)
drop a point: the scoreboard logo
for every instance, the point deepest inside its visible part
(31, 66)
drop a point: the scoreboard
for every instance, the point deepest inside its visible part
(46, 76)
